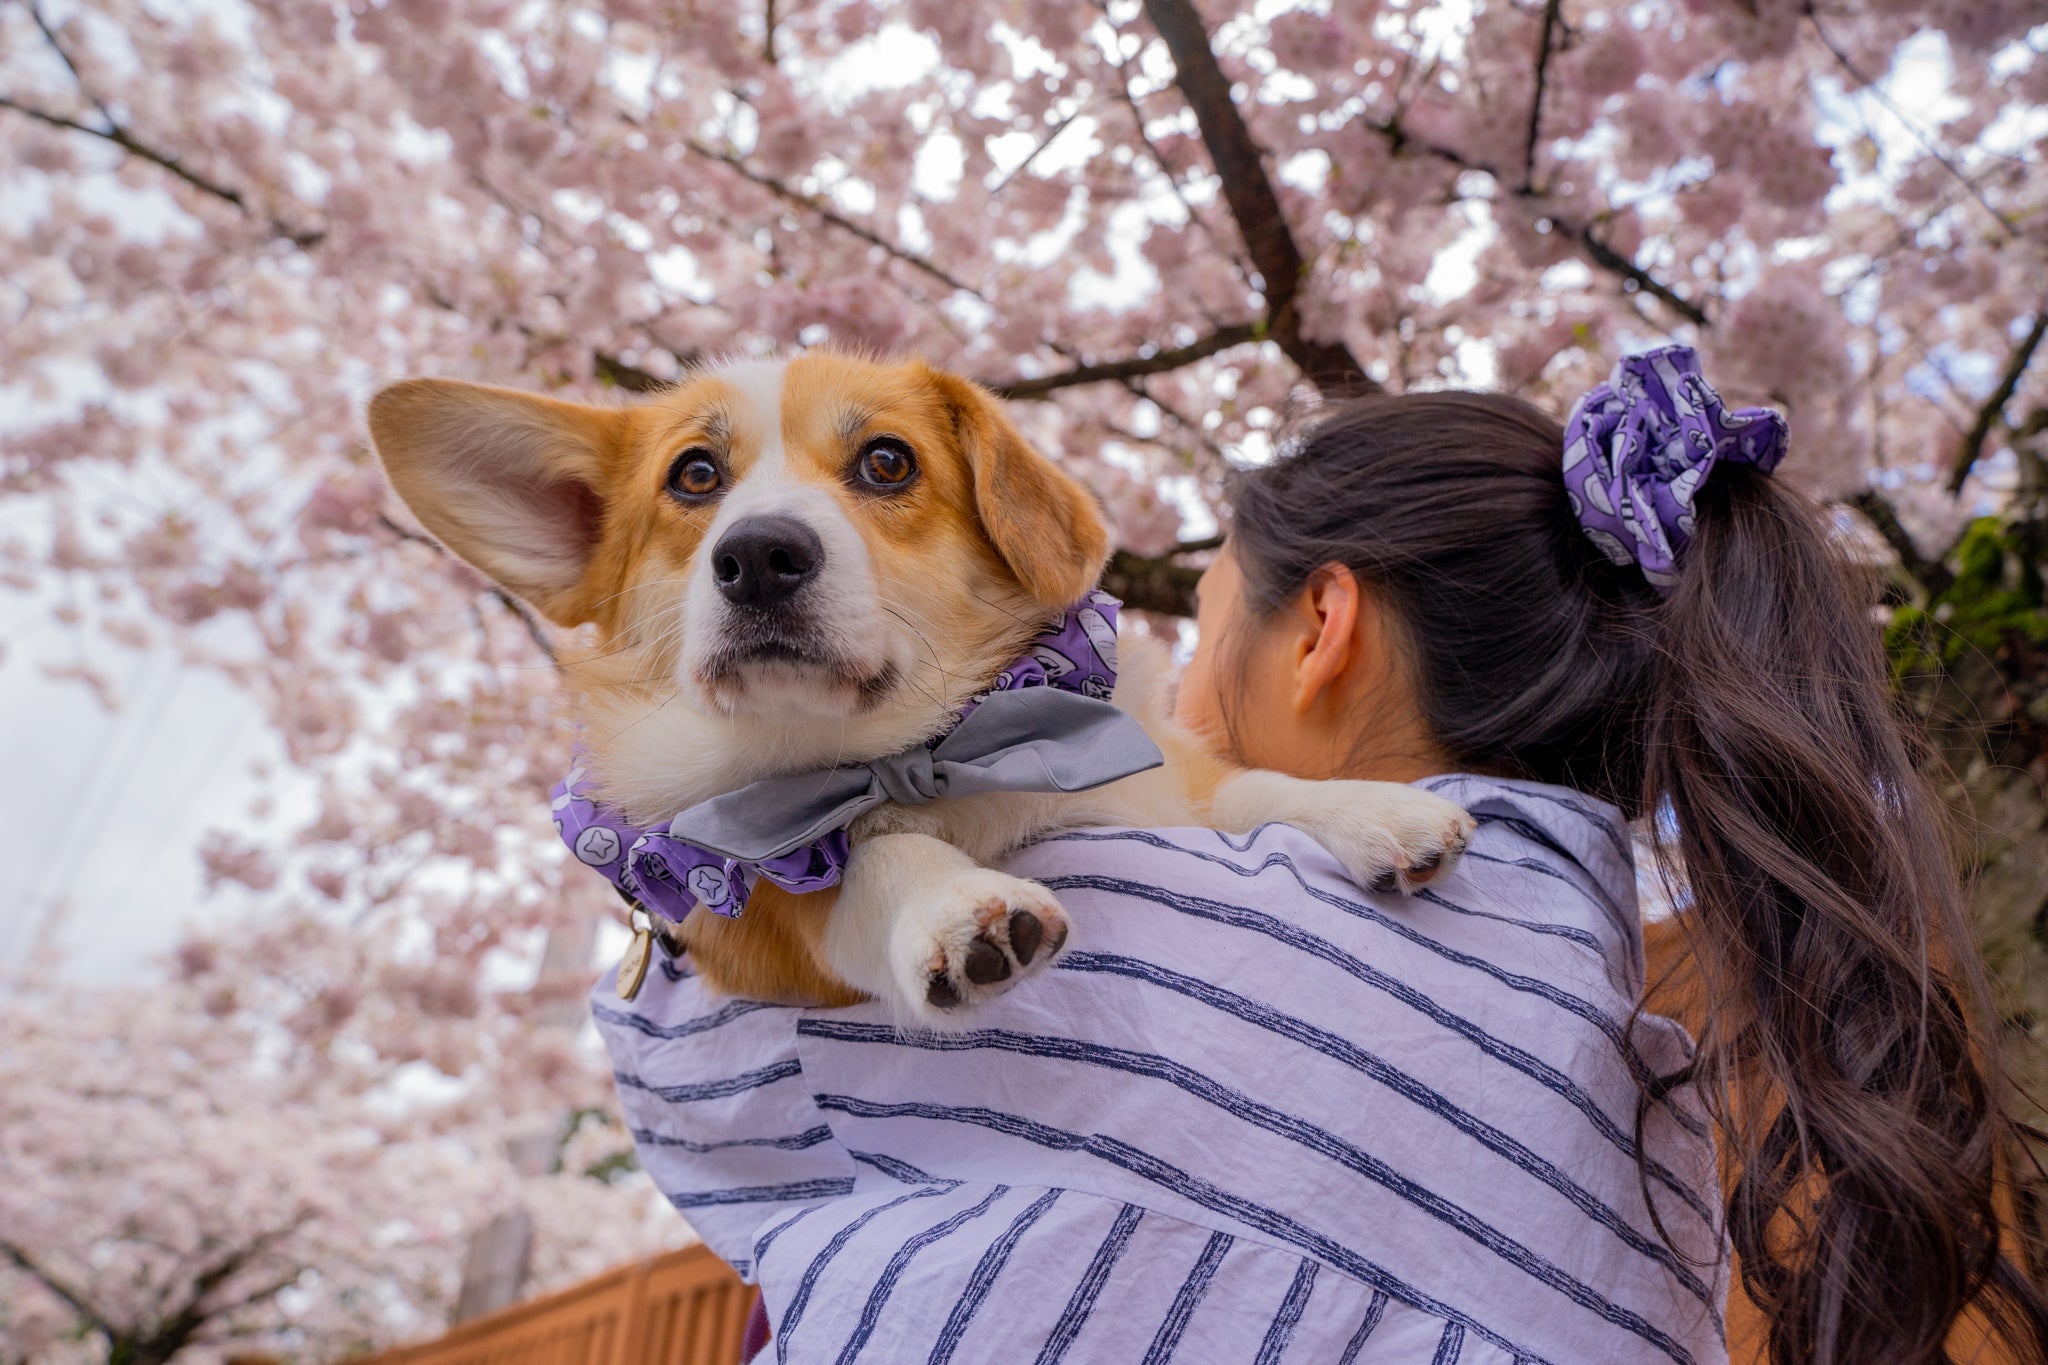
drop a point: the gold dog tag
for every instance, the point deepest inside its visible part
(633, 966)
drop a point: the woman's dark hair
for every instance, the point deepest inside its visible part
(1840, 1043)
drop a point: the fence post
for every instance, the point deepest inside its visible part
(630, 1346)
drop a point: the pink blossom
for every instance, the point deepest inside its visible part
(1144, 522)
(226, 860)
(1785, 339)
(1612, 62)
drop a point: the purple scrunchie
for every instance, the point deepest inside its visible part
(1639, 446)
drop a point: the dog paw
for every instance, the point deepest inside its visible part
(1389, 837)
(973, 938)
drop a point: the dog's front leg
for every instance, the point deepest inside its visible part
(1388, 836)
(923, 926)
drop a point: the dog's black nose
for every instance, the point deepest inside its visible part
(763, 560)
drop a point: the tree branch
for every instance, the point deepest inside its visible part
(1993, 410)
(35, 12)
(1932, 575)
(1134, 367)
(1250, 195)
(534, 630)
(1198, 220)
(1401, 142)
(631, 378)
(1038, 151)
(171, 1335)
(122, 138)
(76, 1301)
(1607, 258)
(1550, 11)
(1926, 142)
(1157, 583)
(256, 1296)
(812, 204)
(505, 599)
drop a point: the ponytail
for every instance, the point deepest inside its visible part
(1832, 944)
(1841, 1042)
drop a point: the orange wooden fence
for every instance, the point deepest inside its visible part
(685, 1308)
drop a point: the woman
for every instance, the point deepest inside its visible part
(1261, 1114)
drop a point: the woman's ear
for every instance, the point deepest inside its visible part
(1327, 648)
(1046, 526)
(508, 481)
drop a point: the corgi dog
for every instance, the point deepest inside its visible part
(793, 565)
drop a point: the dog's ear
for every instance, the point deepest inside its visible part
(1045, 525)
(509, 481)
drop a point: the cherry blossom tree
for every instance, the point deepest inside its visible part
(1159, 227)
(246, 1160)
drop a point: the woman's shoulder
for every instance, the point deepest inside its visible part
(1547, 888)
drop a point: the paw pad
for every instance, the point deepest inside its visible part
(1005, 944)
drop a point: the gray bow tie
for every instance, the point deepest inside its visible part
(1035, 739)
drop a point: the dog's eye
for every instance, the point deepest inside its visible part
(694, 475)
(886, 462)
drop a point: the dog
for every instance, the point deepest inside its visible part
(797, 564)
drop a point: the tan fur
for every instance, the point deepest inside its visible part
(949, 578)
(1040, 520)
(773, 952)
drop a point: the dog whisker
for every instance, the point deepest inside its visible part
(638, 587)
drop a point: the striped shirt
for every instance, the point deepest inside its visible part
(1253, 1114)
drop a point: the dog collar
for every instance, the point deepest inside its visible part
(1045, 725)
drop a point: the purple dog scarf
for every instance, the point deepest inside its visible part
(1045, 725)
(1639, 446)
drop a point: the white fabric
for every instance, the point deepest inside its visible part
(1254, 1114)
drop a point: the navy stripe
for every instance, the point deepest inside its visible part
(1495, 1140)
(1188, 1299)
(899, 1170)
(985, 1271)
(1529, 830)
(801, 1300)
(1449, 1346)
(767, 1239)
(1569, 932)
(1526, 1063)
(1374, 1311)
(1514, 981)
(703, 1023)
(1623, 922)
(1308, 1135)
(714, 1090)
(1280, 859)
(1250, 839)
(829, 1188)
(1616, 836)
(1590, 887)
(1082, 1304)
(885, 1284)
(1192, 1188)
(1289, 1316)
(795, 1142)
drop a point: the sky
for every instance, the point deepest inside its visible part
(101, 811)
